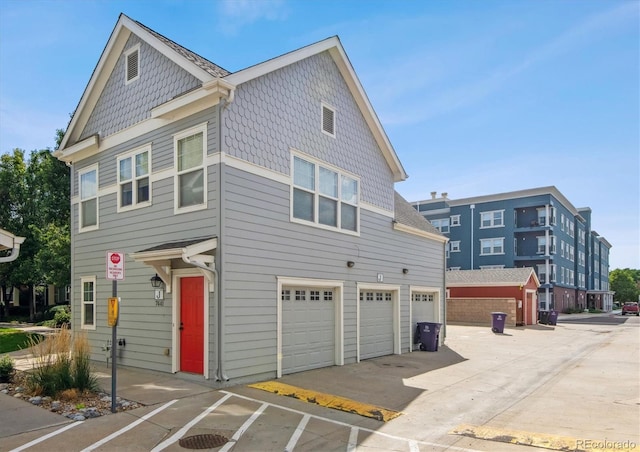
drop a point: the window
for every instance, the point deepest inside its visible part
(493, 219)
(492, 246)
(454, 246)
(132, 66)
(441, 224)
(88, 297)
(422, 297)
(328, 120)
(324, 196)
(455, 220)
(133, 178)
(88, 183)
(191, 179)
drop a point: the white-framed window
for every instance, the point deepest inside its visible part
(324, 196)
(441, 224)
(455, 220)
(328, 119)
(190, 147)
(132, 64)
(88, 297)
(454, 246)
(88, 186)
(562, 221)
(134, 186)
(542, 273)
(492, 219)
(492, 246)
(552, 269)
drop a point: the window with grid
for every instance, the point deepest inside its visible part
(324, 196)
(492, 246)
(190, 150)
(88, 186)
(492, 219)
(133, 179)
(88, 311)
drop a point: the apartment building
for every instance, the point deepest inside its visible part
(538, 228)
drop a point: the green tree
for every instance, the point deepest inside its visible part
(35, 205)
(624, 282)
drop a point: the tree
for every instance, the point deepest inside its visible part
(34, 196)
(624, 282)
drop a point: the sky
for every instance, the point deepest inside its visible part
(476, 97)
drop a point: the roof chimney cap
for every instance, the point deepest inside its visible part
(445, 194)
(433, 194)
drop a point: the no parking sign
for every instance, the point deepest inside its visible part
(115, 265)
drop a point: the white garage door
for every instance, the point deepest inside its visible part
(422, 310)
(308, 329)
(376, 323)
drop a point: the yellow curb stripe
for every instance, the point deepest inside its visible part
(328, 400)
(541, 440)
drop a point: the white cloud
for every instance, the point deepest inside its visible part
(236, 14)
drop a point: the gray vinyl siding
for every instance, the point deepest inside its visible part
(261, 244)
(282, 110)
(145, 326)
(122, 105)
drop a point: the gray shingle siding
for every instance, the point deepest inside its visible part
(122, 105)
(281, 110)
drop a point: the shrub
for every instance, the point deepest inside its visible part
(62, 317)
(6, 369)
(83, 378)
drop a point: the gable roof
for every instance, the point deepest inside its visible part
(211, 76)
(407, 219)
(490, 277)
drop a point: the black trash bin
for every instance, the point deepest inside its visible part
(498, 320)
(427, 333)
(553, 317)
(543, 317)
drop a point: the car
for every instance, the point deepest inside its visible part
(630, 308)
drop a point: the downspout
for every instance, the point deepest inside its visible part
(220, 375)
(472, 207)
(444, 291)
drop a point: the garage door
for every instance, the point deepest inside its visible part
(308, 329)
(422, 310)
(376, 323)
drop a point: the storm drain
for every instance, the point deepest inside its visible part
(206, 441)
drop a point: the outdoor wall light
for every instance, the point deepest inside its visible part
(405, 270)
(156, 281)
(350, 264)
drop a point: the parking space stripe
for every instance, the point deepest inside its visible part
(353, 439)
(180, 433)
(236, 436)
(328, 400)
(46, 437)
(129, 427)
(296, 435)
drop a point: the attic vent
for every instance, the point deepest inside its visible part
(328, 120)
(132, 67)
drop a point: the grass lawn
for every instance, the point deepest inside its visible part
(12, 339)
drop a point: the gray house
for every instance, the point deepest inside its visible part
(263, 199)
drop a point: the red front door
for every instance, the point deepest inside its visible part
(192, 325)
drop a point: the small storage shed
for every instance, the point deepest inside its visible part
(473, 294)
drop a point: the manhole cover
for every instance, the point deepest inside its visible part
(206, 441)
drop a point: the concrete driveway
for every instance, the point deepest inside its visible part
(573, 386)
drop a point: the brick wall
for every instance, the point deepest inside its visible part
(477, 311)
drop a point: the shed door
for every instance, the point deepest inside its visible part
(308, 329)
(376, 323)
(422, 310)
(192, 324)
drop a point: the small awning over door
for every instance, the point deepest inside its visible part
(194, 252)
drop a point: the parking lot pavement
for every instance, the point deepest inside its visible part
(477, 392)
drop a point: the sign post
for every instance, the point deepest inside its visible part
(115, 272)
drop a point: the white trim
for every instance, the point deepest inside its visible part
(397, 330)
(81, 173)
(134, 49)
(419, 232)
(200, 128)
(251, 168)
(83, 325)
(132, 154)
(377, 210)
(177, 274)
(492, 253)
(338, 286)
(492, 225)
